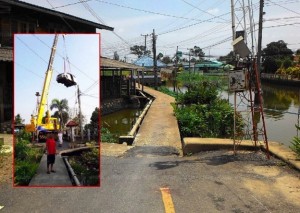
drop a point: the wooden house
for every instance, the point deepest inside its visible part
(21, 17)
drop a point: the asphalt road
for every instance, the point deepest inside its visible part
(207, 182)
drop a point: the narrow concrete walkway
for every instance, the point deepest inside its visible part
(159, 127)
(59, 178)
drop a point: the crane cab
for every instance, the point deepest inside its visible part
(66, 79)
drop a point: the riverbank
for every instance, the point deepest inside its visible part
(287, 80)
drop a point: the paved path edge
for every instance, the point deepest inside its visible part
(195, 145)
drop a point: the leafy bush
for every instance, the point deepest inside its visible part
(24, 171)
(206, 120)
(22, 135)
(107, 136)
(86, 167)
(27, 160)
(296, 144)
(21, 149)
(201, 112)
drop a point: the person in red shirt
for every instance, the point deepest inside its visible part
(51, 152)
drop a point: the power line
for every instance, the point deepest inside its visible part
(147, 11)
(285, 7)
(25, 68)
(58, 53)
(191, 25)
(201, 9)
(62, 17)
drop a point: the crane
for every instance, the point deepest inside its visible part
(37, 125)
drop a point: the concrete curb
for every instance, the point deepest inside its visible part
(71, 172)
(194, 145)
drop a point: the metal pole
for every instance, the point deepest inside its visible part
(189, 61)
(175, 71)
(80, 115)
(251, 26)
(261, 6)
(245, 24)
(234, 124)
(233, 20)
(154, 60)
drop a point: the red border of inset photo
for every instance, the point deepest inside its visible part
(36, 129)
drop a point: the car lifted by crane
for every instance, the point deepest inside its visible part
(38, 126)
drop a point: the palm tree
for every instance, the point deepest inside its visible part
(62, 108)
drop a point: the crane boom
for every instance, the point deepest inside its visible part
(47, 81)
(37, 126)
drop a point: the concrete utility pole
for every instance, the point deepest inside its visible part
(175, 71)
(145, 41)
(233, 20)
(154, 59)
(80, 114)
(260, 22)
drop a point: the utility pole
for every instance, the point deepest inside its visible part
(175, 71)
(154, 59)
(260, 22)
(233, 20)
(80, 114)
(145, 41)
(189, 61)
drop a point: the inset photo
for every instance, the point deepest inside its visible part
(56, 110)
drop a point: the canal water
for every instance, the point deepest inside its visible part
(120, 122)
(281, 105)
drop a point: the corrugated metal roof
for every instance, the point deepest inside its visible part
(146, 61)
(110, 63)
(56, 13)
(6, 54)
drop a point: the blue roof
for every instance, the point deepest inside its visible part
(213, 64)
(146, 61)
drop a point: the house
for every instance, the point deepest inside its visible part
(118, 84)
(21, 17)
(205, 66)
(146, 61)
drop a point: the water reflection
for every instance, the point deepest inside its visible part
(121, 122)
(281, 105)
(280, 98)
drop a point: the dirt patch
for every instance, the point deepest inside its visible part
(5, 167)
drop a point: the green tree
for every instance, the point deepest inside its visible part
(61, 106)
(270, 65)
(275, 51)
(229, 58)
(94, 124)
(18, 119)
(139, 50)
(166, 59)
(287, 63)
(160, 56)
(197, 51)
(65, 116)
(116, 56)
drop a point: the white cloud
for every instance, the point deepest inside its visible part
(214, 11)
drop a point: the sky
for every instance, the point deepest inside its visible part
(182, 23)
(31, 58)
(177, 23)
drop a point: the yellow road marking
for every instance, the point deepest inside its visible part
(167, 199)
